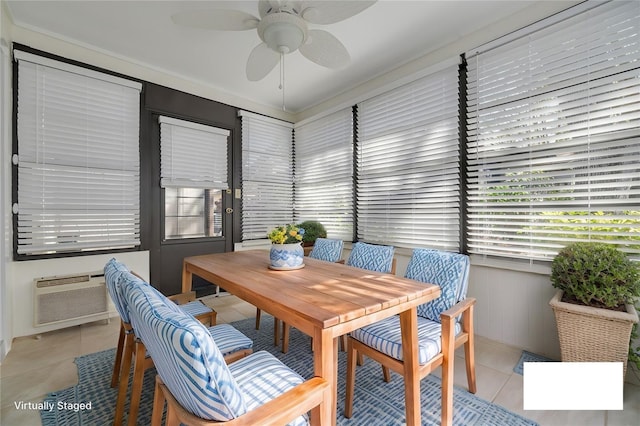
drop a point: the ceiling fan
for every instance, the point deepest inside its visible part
(283, 29)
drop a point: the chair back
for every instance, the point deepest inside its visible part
(113, 274)
(327, 249)
(372, 257)
(186, 357)
(448, 270)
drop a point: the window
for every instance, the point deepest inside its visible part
(193, 173)
(78, 159)
(192, 213)
(267, 174)
(407, 154)
(554, 135)
(324, 173)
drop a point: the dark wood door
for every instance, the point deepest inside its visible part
(187, 222)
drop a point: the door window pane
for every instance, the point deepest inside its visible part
(192, 213)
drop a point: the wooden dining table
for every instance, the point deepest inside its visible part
(325, 301)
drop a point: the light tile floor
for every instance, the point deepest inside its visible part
(36, 366)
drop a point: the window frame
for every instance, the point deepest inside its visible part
(561, 141)
(308, 135)
(428, 126)
(14, 149)
(254, 123)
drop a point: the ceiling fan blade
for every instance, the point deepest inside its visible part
(330, 12)
(261, 61)
(216, 19)
(324, 49)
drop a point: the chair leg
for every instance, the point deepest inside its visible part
(136, 388)
(469, 352)
(286, 328)
(343, 342)
(124, 379)
(386, 374)
(172, 417)
(360, 359)
(448, 356)
(276, 332)
(158, 404)
(352, 355)
(118, 362)
(471, 366)
(258, 315)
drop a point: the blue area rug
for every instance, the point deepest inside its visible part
(376, 402)
(529, 357)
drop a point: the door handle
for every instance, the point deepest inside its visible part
(229, 210)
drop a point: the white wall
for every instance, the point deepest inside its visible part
(513, 308)
(5, 183)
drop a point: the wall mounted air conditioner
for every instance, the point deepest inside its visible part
(74, 298)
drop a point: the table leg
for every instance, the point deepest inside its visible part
(409, 330)
(325, 365)
(187, 278)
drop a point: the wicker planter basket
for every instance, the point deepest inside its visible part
(592, 334)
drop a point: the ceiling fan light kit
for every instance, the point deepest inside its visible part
(282, 32)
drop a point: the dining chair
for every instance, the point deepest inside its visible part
(233, 344)
(444, 324)
(373, 257)
(196, 308)
(196, 382)
(327, 249)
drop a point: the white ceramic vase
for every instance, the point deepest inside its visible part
(286, 256)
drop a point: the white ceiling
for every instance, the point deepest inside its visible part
(383, 37)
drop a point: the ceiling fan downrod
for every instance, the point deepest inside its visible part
(281, 87)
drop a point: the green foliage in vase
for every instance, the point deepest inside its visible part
(312, 231)
(596, 274)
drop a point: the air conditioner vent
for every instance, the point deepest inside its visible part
(49, 282)
(61, 299)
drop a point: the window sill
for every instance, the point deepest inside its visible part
(533, 267)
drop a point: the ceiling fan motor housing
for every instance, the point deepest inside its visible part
(283, 32)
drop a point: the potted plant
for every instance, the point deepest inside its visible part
(286, 247)
(312, 231)
(594, 306)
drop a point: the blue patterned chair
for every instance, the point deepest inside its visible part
(196, 382)
(443, 325)
(372, 257)
(233, 344)
(327, 249)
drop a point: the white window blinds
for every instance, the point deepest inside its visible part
(324, 173)
(407, 179)
(192, 155)
(78, 158)
(267, 174)
(554, 136)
